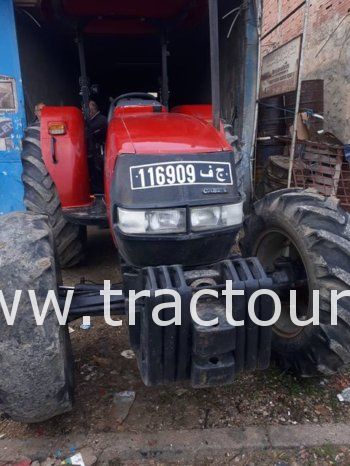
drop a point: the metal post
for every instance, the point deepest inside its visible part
(258, 83)
(297, 105)
(165, 78)
(215, 61)
(84, 82)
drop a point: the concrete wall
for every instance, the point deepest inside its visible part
(327, 54)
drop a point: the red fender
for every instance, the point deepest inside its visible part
(65, 156)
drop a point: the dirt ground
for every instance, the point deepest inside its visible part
(322, 456)
(263, 398)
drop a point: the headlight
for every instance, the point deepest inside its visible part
(152, 221)
(212, 217)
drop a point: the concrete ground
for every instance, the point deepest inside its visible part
(264, 418)
(269, 445)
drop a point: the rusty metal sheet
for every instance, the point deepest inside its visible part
(280, 70)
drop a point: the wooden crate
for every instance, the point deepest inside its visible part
(322, 166)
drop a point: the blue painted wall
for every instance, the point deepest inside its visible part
(12, 114)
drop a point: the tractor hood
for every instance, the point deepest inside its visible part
(163, 133)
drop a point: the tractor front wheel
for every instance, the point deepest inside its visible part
(36, 363)
(306, 237)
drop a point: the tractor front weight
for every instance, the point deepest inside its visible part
(207, 356)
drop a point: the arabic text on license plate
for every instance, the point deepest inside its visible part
(180, 173)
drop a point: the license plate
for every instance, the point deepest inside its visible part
(157, 175)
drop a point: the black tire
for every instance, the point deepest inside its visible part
(317, 232)
(41, 196)
(36, 364)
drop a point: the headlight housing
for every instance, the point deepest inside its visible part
(168, 221)
(152, 221)
(215, 217)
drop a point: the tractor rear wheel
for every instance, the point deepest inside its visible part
(307, 235)
(41, 196)
(36, 363)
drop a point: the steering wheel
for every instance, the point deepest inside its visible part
(130, 95)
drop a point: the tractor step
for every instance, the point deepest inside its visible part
(93, 214)
(208, 356)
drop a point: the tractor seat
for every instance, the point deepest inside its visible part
(134, 99)
(135, 102)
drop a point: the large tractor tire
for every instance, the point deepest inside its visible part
(41, 196)
(311, 234)
(36, 364)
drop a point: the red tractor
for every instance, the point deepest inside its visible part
(173, 201)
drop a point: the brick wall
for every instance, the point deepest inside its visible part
(322, 13)
(327, 54)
